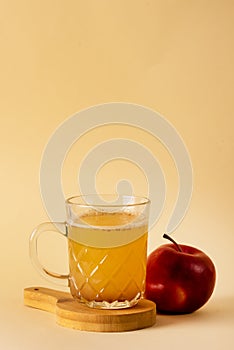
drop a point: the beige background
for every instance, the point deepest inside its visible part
(58, 57)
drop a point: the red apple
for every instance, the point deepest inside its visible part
(179, 278)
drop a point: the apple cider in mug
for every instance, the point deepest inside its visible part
(107, 256)
(107, 249)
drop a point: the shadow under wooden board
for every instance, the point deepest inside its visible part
(72, 314)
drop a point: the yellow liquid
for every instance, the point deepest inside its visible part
(110, 273)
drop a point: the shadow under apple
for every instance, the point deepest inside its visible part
(215, 310)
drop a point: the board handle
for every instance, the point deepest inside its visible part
(44, 298)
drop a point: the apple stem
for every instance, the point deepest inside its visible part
(172, 240)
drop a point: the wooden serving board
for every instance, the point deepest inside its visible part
(72, 314)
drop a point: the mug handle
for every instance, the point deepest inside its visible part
(59, 227)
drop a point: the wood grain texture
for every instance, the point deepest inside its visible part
(72, 314)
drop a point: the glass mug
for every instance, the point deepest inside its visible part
(107, 249)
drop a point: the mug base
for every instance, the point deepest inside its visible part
(115, 305)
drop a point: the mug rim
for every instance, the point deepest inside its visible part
(139, 200)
